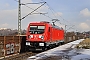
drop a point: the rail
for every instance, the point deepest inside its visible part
(22, 56)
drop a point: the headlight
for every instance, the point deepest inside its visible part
(27, 43)
(31, 36)
(41, 44)
(41, 36)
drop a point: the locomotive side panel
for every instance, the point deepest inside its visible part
(57, 34)
(47, 33)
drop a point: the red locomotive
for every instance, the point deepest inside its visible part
(43, 35)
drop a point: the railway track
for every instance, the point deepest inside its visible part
(22, 56)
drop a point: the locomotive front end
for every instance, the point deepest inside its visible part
(35, 36)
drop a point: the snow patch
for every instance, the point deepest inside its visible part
(67, 51)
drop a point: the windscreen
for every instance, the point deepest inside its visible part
(37, 29)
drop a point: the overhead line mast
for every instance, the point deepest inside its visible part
(19, 14)
(19, 18)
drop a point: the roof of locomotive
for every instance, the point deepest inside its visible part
(40, 22)
(55, 26)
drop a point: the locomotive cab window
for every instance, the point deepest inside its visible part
(37, 29)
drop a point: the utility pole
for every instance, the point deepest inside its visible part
(65, 34)
(19, 18)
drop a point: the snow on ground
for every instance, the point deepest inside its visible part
(64, 52)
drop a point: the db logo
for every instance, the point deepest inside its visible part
(35, 37)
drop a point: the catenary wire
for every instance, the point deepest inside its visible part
(33, 9)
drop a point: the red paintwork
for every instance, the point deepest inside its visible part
(52, 36)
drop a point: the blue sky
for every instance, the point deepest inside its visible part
(69, 12)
